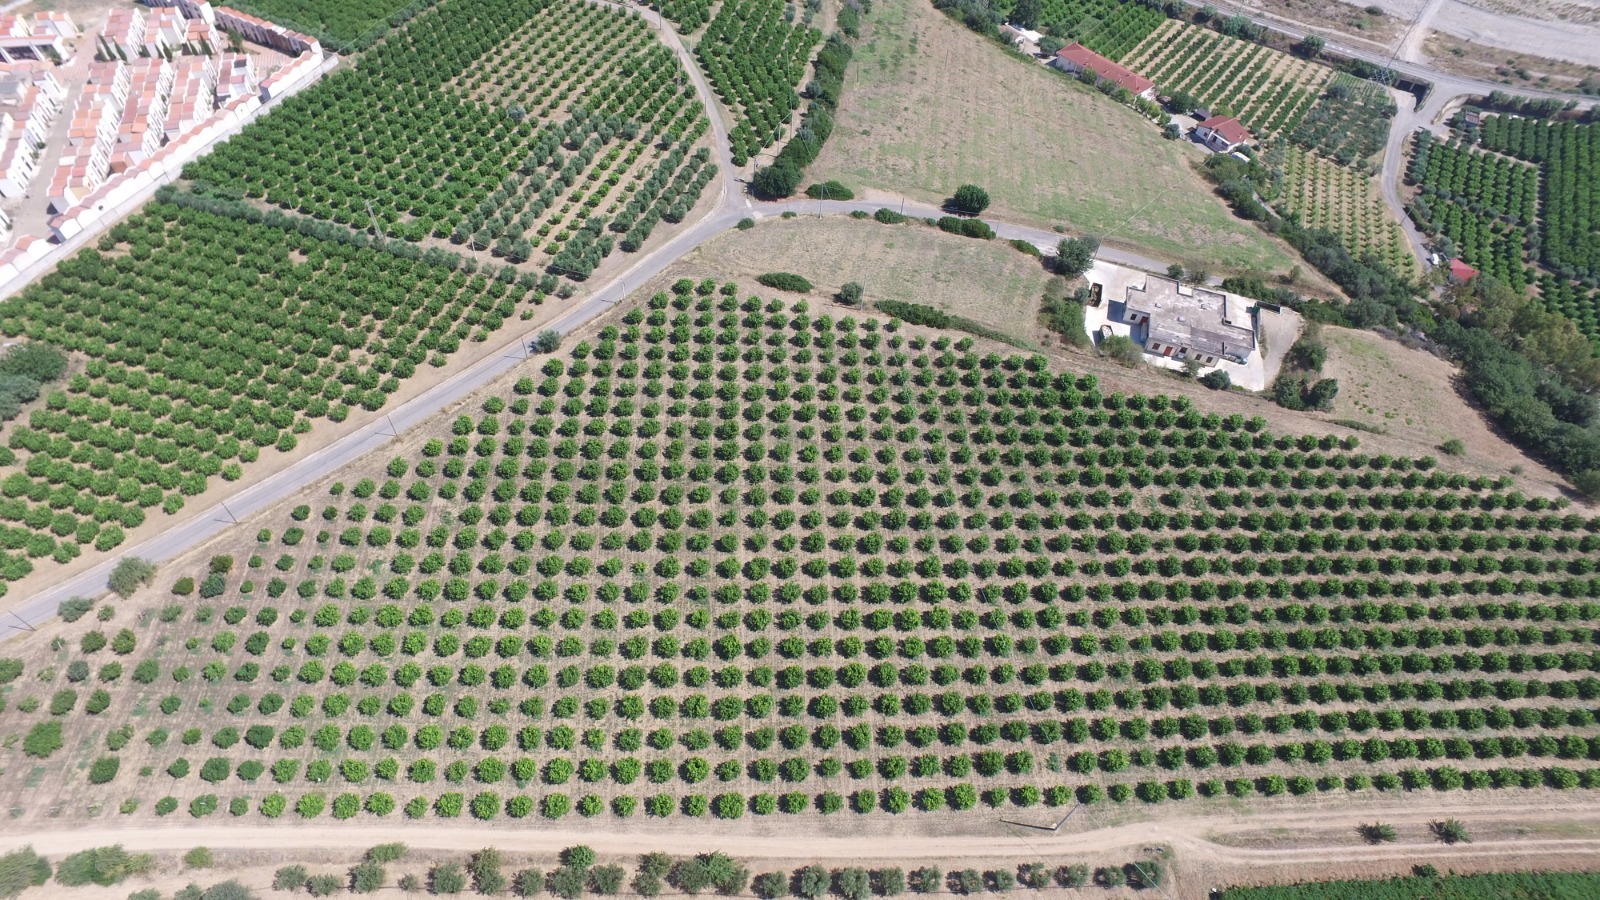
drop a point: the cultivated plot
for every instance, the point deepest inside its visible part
(740, 558)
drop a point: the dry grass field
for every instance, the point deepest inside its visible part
(1412, 394)
(986, 281)
(931, 105)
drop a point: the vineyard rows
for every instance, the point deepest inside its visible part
(467, 122)
(1267, 90)
(1347, 203)
(733, 558)
(207, 342)
(755, 60)
(1110, 28)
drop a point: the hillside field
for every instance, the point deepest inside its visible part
(929, 105)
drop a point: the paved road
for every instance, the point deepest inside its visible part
(733, 205)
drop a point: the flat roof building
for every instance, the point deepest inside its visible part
(1187, 322)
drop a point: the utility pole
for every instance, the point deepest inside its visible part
(376, 227)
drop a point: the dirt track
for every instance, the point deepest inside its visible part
(1206, 849)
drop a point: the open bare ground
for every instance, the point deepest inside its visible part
(1514, 69)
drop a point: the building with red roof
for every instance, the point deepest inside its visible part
(1461, 273)
(1075, 58)
(1223, 134)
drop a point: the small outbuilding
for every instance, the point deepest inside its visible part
(1223, 134)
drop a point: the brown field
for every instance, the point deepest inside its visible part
(1413, 395)
(1463, 57)
(985, 281)
(930, 105)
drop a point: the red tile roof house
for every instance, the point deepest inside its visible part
(1223, 134)
(1074, 58)
(1461, 273)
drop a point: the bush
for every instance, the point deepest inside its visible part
(973, 228)
(1217, 380)
(785, 281)
(20, 870)
(289, 878)
(183, 587)
(546, 342)
(104, 866)
(888, 216)
(970, 199)
(40, 363)
(850, 293)
(1453, 447)
(1122, 349)
(74, 608)
(104, 769)
(829, 190)
(43, 739)
(199, 858)
(746, 223)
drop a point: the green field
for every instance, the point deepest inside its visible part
(740, 558)
(929, 105)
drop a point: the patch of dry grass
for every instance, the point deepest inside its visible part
(930, 105)
(988, 282)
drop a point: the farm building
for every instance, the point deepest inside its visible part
(1223, 134)
(1024, 39)
(1075, 58)
(1185, 322)
(1461, 273)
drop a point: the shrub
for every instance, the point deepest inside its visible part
(1453, 447)
(850, 293)
(20, 870)
(199, 858)
(74, 608)
(104, 769)
(43, 739)
(1217, 380)
(546, 342)
(746, 223)
(829, 190)
(104, 866)
(973, 228)
(183, 587)
(785, 281)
